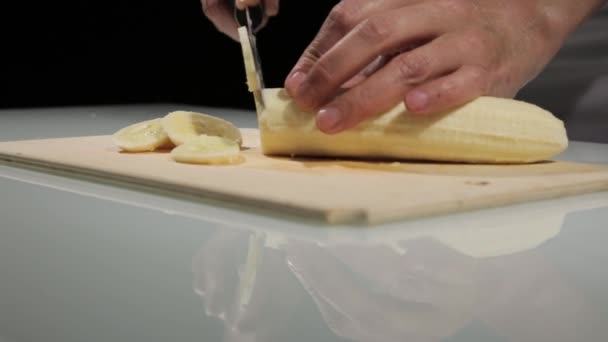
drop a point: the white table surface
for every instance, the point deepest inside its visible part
(82, 260)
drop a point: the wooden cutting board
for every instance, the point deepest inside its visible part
(335, 191)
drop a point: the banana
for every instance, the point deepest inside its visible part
(206, 149)
(182, 126)
(193, 137)
(250, 74)
(143, 136)
(486, 130)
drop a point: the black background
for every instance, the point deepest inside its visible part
(58, 53)
(67, 52)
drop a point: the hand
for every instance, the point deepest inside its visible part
(220, 14)
(431, 54)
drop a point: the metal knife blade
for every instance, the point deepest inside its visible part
(254, 18)
(254, 48)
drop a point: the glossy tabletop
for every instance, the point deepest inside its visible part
(86, 260)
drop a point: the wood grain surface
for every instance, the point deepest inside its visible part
(335, 191)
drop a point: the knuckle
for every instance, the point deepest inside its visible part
(475, 42)
(362, 100)
(374, 30)
(313, 52)
(412, 68)
(477, 80)
(343, 16)
(447, 90)
(478, 77)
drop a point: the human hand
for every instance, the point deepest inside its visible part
(220, 13)
(434, 54)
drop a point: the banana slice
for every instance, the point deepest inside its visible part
(252, 78)
(143, 136)
(182, 126)
(206, 149)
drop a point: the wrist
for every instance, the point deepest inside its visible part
(563, 17)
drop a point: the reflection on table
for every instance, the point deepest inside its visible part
(477, 282)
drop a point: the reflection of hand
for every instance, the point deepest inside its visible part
(253, 297)
(444, 53)
(215, 271)
(220, 14)
(372, 293)
(418, 290)
(363, 293)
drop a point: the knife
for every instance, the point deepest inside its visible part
(254, 18)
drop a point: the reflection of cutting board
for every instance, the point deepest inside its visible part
(336, 191)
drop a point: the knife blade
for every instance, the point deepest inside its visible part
(254, 18)
(257, 14)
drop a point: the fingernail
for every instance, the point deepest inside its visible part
(417, 100)
(329, 120)
(295, 81)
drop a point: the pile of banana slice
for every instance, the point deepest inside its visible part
(194, 138)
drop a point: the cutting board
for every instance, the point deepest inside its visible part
(335, 191)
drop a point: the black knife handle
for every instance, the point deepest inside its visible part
(258, 15)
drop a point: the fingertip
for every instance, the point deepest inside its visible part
(294, 81)
(330, 120)
(418, 101)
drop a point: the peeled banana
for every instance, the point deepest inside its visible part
(486, 130)
(206, 149)
(182, 126)
(143, 136)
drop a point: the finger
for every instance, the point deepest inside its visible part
(387, 87)
(376, 65)
(378, 35)
(242, 4)
(222, 18)
(464, 85)
(272, 7)
(341, 20)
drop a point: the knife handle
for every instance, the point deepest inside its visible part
(257, 13)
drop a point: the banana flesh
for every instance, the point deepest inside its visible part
(250, 74)
(143, 136)
(182, 126)
(193, 138)
(206, 149)
(486, 130)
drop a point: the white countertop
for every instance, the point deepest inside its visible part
(86, 261)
